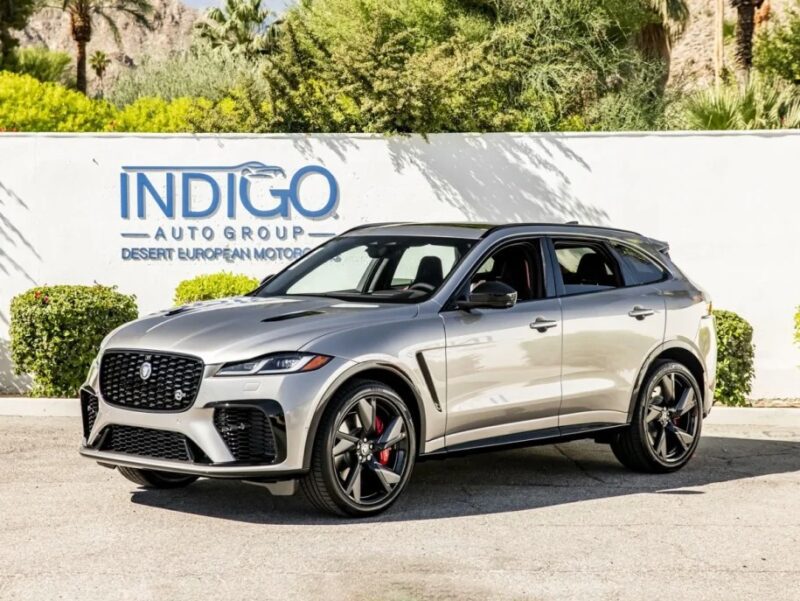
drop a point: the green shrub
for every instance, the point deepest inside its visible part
(26, 104)
(56, 332)
(199, 72)
(777, 48)
(734, 358)
(43, 64)
(156, 115)
(213, 285)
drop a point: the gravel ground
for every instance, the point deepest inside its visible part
(554, 522)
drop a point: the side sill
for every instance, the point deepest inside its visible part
(525, 439)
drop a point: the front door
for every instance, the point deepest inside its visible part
(504, 365)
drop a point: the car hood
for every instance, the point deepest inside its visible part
(241, 328)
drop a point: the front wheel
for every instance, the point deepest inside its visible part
(155, 479)
(665, 429)
(363, 453)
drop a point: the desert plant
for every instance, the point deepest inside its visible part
(762, 104)
(797, 325)
(213, 285)
(43, 64)
(199, 72)
(99, 62)
(735, 352)
(56, 332)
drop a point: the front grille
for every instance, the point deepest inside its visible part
(146, 442)
(89, 408)
(247, 433)
(170, 384)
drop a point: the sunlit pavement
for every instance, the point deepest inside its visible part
(553, 522)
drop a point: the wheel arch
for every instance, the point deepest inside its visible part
(385, 373)
(679, 352)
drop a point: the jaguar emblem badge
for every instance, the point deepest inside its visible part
(145, 370)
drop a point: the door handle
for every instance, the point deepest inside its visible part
(541, 324)
(640, 312)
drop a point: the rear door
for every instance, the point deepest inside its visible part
(610, 325)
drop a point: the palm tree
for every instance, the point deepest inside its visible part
(99, 62)
(242, 26)
(745, 27)
(82, 14)
(655, 39)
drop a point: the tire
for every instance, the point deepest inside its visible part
(667, 420)
(356, 470)
(154, 479)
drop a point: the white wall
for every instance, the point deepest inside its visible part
(728, 204)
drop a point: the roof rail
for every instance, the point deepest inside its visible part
(367, 225)
(569, 224)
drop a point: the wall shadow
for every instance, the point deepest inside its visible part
(498, 177)
(502, 481)
(9, 381)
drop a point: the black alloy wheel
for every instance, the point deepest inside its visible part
(364, 452)
(667, 421)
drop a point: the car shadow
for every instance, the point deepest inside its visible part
(501, 481)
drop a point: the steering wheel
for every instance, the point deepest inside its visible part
(422, 286)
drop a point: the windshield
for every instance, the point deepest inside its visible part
(377, 268)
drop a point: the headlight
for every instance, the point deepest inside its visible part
(277, 363)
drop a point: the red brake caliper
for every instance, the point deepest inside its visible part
(383, 456)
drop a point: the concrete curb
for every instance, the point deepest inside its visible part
(720, 416)
(30, 407)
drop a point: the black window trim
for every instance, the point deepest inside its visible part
(550, 288)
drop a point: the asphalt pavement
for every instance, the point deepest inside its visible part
(552, 522)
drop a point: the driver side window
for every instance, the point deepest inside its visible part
(517, 265)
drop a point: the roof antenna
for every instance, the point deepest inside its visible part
(571, 223)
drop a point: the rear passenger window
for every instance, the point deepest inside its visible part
(642, 269)
(586, 267)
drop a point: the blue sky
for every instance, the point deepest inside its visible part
(273, 5)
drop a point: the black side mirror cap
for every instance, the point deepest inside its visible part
(489, 295)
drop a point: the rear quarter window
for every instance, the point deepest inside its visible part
(641, 268)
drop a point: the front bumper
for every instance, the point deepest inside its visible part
(297, 395)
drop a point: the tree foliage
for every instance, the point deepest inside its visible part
(777, 51)
(447, 65)
(14, 14)
(82, 15)
(241, 26)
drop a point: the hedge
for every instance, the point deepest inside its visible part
(735, 352)
(214, 285)
(56, 332)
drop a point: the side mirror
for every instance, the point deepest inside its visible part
(489, 295)
(266, 280)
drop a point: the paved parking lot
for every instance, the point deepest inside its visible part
(557, 522)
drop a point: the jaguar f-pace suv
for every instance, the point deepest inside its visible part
(396, 342)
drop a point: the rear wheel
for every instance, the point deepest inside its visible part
(364, 451)
(154, 479)
(665, 429)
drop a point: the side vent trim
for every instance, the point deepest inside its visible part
(426, 373)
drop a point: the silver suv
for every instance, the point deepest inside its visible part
(398, 342)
